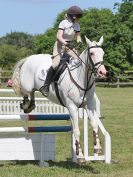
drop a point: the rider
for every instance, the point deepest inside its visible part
(68, 28)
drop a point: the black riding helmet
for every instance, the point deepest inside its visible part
(75, 11)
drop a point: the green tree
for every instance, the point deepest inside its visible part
(19, 39)
(117, 29)
(44, 43)
(10, 54)
(123, 35)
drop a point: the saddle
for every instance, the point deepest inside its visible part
(62, 66)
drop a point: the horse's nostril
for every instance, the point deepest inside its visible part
(100, 72)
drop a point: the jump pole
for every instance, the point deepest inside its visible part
(31, 134)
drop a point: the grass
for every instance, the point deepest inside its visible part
(117, 110)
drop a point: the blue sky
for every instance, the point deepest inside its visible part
(36, 16)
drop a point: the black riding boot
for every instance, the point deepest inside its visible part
(45, 89)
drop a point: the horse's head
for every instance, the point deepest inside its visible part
(96, 53)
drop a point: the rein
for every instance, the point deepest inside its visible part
(93, 70)
(83, 89)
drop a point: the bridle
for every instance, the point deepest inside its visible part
(93, 70)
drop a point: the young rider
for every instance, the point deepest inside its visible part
(68, 28)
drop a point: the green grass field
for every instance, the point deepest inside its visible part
(117, 110)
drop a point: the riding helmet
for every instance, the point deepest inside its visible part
(75, 11)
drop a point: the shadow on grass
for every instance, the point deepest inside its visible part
(62, 164)
(71, 165)
(17, 162)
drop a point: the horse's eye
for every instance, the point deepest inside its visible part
(91, 53)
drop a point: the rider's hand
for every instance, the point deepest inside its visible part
(69, 46)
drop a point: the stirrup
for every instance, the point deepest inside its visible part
(44, 90)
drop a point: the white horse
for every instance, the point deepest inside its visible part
(75, 84)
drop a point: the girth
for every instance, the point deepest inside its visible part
(57, 94)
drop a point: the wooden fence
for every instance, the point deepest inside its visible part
(119, 81)
(4, 76)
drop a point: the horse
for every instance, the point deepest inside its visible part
(76, 86)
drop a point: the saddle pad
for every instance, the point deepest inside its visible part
(42, 74)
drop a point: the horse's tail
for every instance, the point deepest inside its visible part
(16, 77)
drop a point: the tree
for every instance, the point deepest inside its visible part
(116, 28)
(117, 31)
(18, 39)
(44, 43)
(123, 34)
(9, 55)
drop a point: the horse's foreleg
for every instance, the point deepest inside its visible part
(97, 143)
(96, 140)
(32, 96)
(73, 110)
(32, 102)
(92, 114)
(28, 105)
(26, 102)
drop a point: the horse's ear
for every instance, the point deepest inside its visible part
(100, 41)
(88, 41)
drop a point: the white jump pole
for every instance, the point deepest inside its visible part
(14, 117)
(12, 129)
(107, 148)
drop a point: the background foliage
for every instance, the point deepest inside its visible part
(117, 29)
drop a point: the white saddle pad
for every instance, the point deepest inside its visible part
(42, 72)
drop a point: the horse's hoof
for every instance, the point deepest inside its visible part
(98, 151)
(27, 111)
(25, 106)
(30, 109)
(81, 161)
(21, 105)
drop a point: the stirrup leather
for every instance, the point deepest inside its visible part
(44, 90)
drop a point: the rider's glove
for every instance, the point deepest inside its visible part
(69, 46)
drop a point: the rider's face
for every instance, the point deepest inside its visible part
(76, 18)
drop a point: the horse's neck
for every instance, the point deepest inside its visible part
(81, 71)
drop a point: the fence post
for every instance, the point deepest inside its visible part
(0, 75)
(118, 82)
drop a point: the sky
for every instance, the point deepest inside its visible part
(36, 16)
